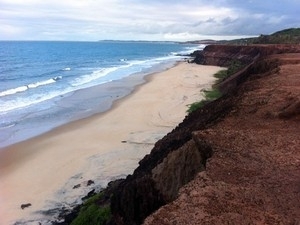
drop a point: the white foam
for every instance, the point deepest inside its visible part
(66, 69)
(26, 87)
(41, 83)
(13, 91)
(93, 76)
(22, 102)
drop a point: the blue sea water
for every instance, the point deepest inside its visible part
(46, 84)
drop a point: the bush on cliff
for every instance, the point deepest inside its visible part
(221, 74)
(93, 214)
(210, 95)
(234, 66)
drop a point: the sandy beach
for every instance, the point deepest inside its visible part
(43, 171)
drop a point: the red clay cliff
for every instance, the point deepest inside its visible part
(253, 175)
(234, 161)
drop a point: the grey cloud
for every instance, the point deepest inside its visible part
(102, 19)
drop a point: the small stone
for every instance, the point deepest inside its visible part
(23, 206)
(76, 186)
(90, 182)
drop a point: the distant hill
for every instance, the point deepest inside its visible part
(291, 31)
(287, 36)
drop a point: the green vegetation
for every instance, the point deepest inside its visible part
(215, 93)
(196, 105)
(287, 36)
(235, 66)
(210, 95)
(221, 74)
(93, 214)
(290, 31)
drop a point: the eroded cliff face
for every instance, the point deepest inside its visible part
(254, 173)
(174, 161)
(206, 169)
(222, 55)
(182, 154)
(176, 169)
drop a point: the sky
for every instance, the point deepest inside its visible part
(153, 20)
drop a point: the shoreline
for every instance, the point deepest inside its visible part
(74, 108)
(44, 170)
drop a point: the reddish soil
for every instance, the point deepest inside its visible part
(253, 176)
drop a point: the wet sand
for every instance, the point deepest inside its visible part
(43, 171)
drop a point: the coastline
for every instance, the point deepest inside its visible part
(44, 170)
(73, 106)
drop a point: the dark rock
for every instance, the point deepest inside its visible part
(140, 197)
(90, 194)
(76, 186)
(66, 216)
(23, 206)
(90, 182)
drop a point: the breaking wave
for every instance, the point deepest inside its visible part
(28, 86)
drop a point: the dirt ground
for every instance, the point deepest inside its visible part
(253, 176)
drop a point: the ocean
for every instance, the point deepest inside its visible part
(46, 84)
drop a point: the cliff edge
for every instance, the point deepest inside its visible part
(253, 176)
(234, 161)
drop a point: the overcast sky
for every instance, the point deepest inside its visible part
(92, 20)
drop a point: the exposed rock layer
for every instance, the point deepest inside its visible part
(144, 192)
(253, 176)
(243, 150)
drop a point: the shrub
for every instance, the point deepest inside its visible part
(210, 95)
(221, 74)
(93, 214)
(213, 94)
(234, 66)
(196, 105)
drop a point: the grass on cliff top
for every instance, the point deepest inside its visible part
(209, 95)
(214, 93)
(93, 214)
(287, 36)
(221, 74)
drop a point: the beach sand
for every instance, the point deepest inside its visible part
(43, 171)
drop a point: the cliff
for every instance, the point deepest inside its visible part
(183, 153)
(254, 172)
(236, 157)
